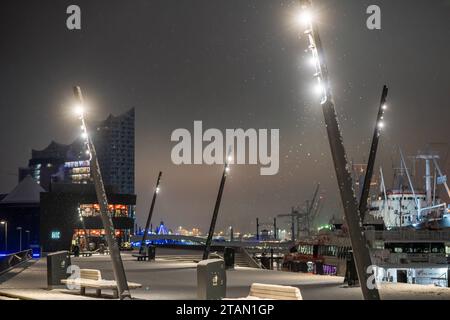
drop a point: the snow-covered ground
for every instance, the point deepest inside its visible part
(404, 291)
(172, 280)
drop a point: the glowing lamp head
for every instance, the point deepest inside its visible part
(84, 135)
(381, 125)
(305, 17)
(79, 110)
(319, 89)
(230, 159)
(227, 169)
(313, 61)
(2, 222)
(158, 190)
(384, 107)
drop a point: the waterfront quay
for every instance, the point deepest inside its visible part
(173, 276)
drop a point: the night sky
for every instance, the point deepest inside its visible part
(231, 64)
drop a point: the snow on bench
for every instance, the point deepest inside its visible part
(92, 278)
(259, 291)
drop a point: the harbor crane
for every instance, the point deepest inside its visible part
(303, 217)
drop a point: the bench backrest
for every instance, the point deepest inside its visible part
(91, 274)
(274, 292)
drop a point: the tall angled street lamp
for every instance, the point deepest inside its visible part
(351, 208)
(27, 232)
(150, 213)
(379, 125)
(20, 237)
(5, 223)
(117, 264)
(226, 171)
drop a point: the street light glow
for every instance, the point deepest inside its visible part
(313, 61)
(305, 17)
(79, 110)
(84, 135)
(381, 124)
(384, 107)
(319, 89)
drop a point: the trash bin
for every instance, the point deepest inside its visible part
(211, 279)
(228, 256)
(151, 252)
(57, 264)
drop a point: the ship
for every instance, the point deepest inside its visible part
(407, 230)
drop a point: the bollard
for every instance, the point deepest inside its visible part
(151, 253)
(229, 258)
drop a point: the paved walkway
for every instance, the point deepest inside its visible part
(174, 280)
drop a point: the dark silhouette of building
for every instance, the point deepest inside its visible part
(65, 209)
(70, 212)
(20, 209)
(114, 140)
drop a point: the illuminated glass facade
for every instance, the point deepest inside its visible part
(115, 210)
(114, 140)
(78, 171)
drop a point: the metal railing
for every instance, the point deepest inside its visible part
(248, 258)
(409, 235)
(12, 260)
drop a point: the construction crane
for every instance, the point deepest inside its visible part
(294, 215)
(316, 210)
(311, 207)
(299, 217)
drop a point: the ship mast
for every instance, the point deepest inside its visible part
(351, 209)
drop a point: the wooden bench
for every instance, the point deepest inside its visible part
(273, 292)
(92, 279)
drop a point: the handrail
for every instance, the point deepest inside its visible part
(249, 259)
(12, 260)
